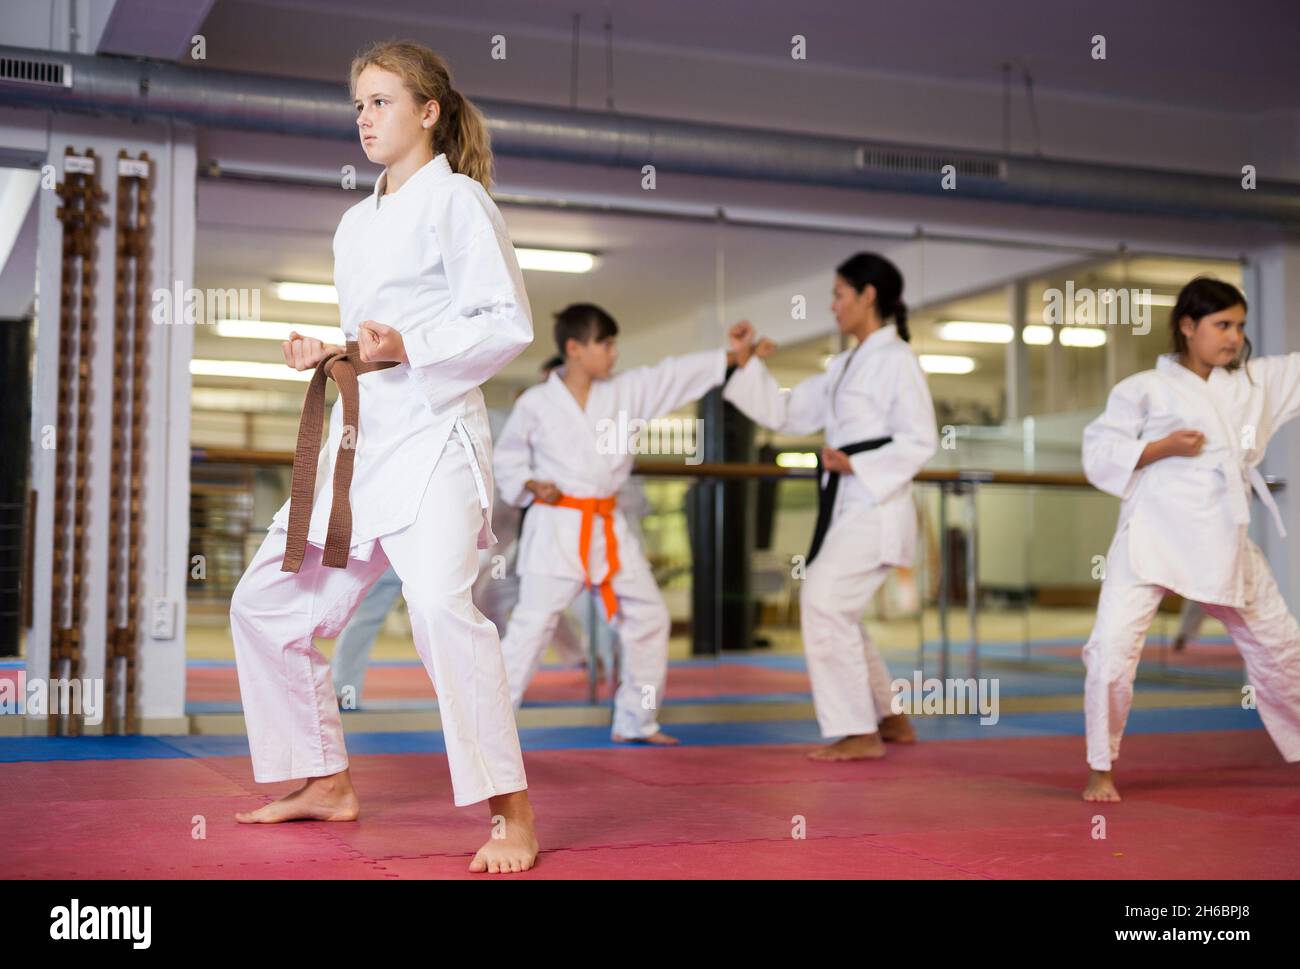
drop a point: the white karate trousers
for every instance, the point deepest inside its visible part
(290, 711)
(850, 681)
(353, 647)
(1263, 630)
(642, 633)
(496, 597)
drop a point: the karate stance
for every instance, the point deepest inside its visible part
(565, 452)
(874, 406)
(1181, 445)
(427, 281)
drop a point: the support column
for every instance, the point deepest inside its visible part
(15, 397)
(1273, 290)
(1017, 359)
(721, 519)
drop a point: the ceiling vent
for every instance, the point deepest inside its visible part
(27, 70)
(910, 161)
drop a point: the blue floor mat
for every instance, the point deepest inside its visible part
(1181, 720)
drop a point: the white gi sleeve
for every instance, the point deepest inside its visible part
(1112, 443)
(673, 382)
(911, 423)
(755, 392)
(512, 460)
(491, 323)
(1280, 376)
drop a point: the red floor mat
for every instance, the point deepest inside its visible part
(219, 683)
(831, 858)
(1197, 656)
(1211, 805)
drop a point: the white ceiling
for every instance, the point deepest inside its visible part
(1194, 53)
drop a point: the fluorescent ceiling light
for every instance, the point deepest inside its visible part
(554, 260)
(1156, 299)
(946, 363)
(306, 292)
(239, 399)
(796, 459)
(247, 369)
(267, 330)
(536, 260)
(1082, 336)
(971, 331)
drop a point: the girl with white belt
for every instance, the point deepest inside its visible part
(1181, 445)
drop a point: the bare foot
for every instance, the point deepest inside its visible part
(896, 729)
(867, 746)
(1101, 786)
(513, 845)
(658, 738)
(320, 799)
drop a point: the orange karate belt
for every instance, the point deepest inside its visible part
(590, 508)
(343, 368)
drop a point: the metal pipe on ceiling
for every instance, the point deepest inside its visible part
(136, 88)
(250, 173)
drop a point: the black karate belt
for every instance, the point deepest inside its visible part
(826, 492)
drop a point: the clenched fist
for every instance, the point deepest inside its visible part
(1185, 443)
(741, 334)
(741, 346)
(836, 460)
(380, 344)
(304, 352)
(545, 491)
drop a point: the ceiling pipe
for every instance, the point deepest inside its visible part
(136, 88)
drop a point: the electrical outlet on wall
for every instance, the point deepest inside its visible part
(162, 619)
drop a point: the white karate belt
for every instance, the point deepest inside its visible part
(462, 432)
(1239, 493)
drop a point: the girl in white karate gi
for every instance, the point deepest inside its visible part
(565, 452)
(426, 277)
(874, 406)
(1181, 445)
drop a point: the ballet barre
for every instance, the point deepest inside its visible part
(951, 483)
(955, 483)
(959, 483)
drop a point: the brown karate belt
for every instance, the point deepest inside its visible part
(343, 368)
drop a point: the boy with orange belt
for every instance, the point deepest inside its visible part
(565, 452)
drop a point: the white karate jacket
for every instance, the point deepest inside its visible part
(876, 389)
(1187, 517)
(433, 260)
(586, 455)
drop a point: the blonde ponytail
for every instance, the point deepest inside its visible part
(468, 145)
